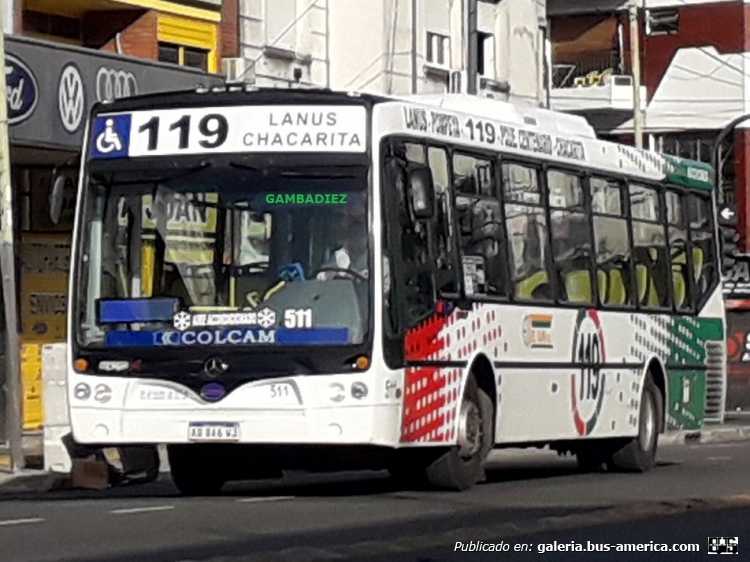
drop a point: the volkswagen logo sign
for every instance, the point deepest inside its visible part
(213, 392)
(214, 368)
(71, 98)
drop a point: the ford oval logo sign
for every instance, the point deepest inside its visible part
(23, 90)
(213, 392)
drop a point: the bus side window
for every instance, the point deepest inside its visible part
(611, 243)
(480, 225)
(526, 233)
(571, 237)
(705, 274)
(650, 251)
(446, 264)
(417, 284)
(678, 251)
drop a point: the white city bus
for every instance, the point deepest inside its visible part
(271, 280)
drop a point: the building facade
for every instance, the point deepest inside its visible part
(61, 58)
(694, 60)
(395, 46)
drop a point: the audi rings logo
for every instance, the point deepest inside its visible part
(113, 84)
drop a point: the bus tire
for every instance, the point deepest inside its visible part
(193, 473)
(639, 454)
(463, 465)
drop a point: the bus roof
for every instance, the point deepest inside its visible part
(678, 171)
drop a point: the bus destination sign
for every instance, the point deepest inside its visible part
(489, 132)
(234, 129)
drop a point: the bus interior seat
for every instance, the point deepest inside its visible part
(527, 288)
(648, 280)
(679, 285)
(612, 287)
(578, 286)
(601, 278)
(618, 289)
(647, 292)
(698, 257)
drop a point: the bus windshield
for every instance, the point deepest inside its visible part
(223, 255)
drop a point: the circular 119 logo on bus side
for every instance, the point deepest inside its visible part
(587, 383)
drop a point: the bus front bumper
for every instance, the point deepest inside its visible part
(336, 410)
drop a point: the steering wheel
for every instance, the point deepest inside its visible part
(350, 272)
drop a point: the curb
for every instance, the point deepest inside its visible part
(717, 435)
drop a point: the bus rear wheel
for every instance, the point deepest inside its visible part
(639, 454)
(463, 465)
(193, 472)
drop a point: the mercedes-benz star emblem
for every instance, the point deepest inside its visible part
(215, 367)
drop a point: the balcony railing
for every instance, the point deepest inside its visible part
(588, 70)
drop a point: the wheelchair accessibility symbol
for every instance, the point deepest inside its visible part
(109, 140)
(111, 136)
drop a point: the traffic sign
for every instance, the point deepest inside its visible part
(728, 215)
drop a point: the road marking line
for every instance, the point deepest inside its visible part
(524, 528)
(268, 499)
(10, 522)
(720, 458)
(141, 509)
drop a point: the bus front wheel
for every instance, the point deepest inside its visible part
(639, 454)
(193, 472)
(463, 465)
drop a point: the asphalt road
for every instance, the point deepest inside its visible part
(677, 533)
(308, 517)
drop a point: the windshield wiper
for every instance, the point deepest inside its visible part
(239, 166)
(301, 176)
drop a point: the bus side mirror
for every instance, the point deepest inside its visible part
(57, 197)
(421, 194)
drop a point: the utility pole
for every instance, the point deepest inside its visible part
(635, 64)
(471, 15)
(414, 43)
(12, 387)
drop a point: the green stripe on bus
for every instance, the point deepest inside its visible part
(689, 173)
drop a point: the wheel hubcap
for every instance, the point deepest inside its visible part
(469, 429)
(649, 424)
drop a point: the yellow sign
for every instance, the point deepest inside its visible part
(31, 373)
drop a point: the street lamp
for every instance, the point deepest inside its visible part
(728, 236)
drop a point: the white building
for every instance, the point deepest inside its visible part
(395, 46)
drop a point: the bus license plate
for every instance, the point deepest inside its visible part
(214, 432)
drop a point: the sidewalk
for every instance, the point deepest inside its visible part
(31, 481)
(732, 430)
